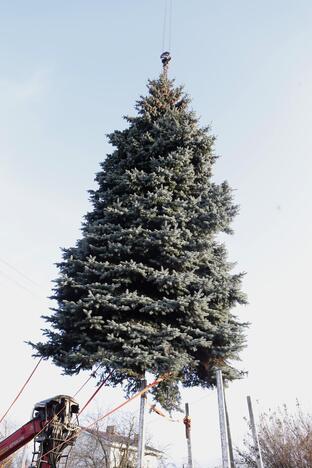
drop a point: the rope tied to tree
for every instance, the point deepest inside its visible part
(96, 392)
(21, 390)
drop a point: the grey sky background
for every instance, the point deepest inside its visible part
(69, 71)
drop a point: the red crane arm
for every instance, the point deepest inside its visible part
(19, 438)
(52, 429)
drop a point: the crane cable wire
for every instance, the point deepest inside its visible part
(170, 24)
(21, 390)
(167, 26)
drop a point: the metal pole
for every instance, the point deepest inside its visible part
(222, 421)
(254, 434)
(141, 439)
(232, 462)
(187, 422)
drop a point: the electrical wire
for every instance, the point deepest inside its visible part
(20, 285)
(5, 262)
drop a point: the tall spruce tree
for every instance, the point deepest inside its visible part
(148, 287)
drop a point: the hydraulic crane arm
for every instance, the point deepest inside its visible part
(52, 429)
(19, 438)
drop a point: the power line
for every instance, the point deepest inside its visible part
(5, 262)
(20, 285)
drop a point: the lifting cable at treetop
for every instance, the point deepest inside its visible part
(167, 26)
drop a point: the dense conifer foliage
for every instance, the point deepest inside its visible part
(148, 287)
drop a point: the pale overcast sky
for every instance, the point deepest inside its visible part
(69, 71)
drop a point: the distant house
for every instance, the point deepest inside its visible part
(108, 449)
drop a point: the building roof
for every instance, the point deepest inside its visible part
(112, 437)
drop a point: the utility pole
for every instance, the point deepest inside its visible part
(141, 438)
(254, 434)
(231, 452)
(222, 421)
(187, 423)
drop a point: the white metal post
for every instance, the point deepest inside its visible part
(228, 427)
(222, 421)
(254, 434)
(187, 422)
(141, 439)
